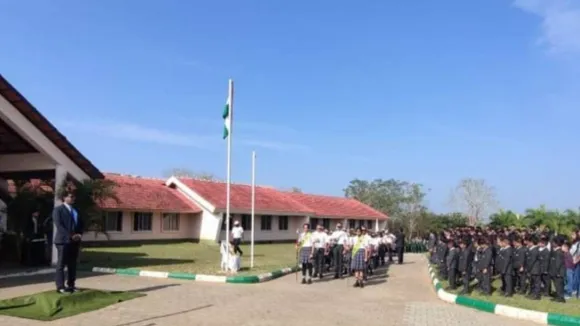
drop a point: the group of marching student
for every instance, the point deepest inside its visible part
(356, 253)
(529, 262)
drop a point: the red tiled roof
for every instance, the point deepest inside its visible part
(336, 206)
(138, 193)
(269, 199)
(39, 121)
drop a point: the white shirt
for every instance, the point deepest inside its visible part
(339, 236)
(320, 239)
(375, 242)
(304, 240)
(365, 243)
(237, 232)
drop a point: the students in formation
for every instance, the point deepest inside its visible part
(357, 253)
(533, 263)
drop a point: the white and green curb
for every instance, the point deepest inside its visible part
(243, 279)
(502, 310)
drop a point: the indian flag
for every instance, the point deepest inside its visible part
(227, 115)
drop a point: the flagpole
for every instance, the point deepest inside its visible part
(229, 163)
(253, 207)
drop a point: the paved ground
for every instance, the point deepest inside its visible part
(401, 296)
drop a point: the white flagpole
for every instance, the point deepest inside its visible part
(253, 207)
(229, 163)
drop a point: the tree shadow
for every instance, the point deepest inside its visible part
(120, 260)
(15, 281)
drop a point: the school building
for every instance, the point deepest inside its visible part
(190, 209)
(158, 209)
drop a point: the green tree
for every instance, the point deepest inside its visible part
(383, 195)
(90, 196)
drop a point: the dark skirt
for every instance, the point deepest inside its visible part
(358, 261)
(305, 253)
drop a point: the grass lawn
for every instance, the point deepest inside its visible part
(196, 258)
(50, 305)
(571, 307)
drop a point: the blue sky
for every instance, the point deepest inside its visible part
(326, 91)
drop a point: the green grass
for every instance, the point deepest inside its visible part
(571, 307)
(46, 306)
(186, 257)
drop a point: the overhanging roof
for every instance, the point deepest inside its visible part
(41, 123)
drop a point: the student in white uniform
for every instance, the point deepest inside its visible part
(340, 237)
(320, 241)
(360, 256)
(305, 253)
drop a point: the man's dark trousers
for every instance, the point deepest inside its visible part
(237, 242)
(319, 261)
(400, 251)
(67, 256)
(338, 260)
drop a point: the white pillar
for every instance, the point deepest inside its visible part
(377, 225)
(59, 177)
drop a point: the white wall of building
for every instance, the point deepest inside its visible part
(189, 227)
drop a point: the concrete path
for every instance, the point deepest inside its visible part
(401, 296)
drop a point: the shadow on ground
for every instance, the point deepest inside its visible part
(37, 279)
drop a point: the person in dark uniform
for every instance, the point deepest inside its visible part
(68, 235)
(400, 245)
(442, 257)
(544, 258)
(557, 269)
(464, 265)
(533, 269)
(484, 266)
(519, 263)
(505, 266)
(452, 261)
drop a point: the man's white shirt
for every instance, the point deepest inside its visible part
(320, 239)
(237, 232)
(340, 237)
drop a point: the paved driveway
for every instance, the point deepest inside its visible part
(401, 296)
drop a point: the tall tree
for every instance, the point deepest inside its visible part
(412, 206)
(383, 195)
(187, 173)
(475, 198)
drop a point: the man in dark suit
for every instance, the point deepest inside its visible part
(400, 245)
(68, 232)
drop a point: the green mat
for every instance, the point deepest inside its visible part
(50, 305)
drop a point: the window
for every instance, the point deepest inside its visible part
(369, 224)
(352, 224)
(266, 222)
(113, 221)
(313, 223)
(170, 222)
(224, 222)
(326, 223)
(247, 222)
(142, 221)
(282, 223)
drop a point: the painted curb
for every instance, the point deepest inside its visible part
(242, 279)
(502, 310)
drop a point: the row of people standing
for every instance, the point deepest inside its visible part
(526, 263)
(357, 252)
